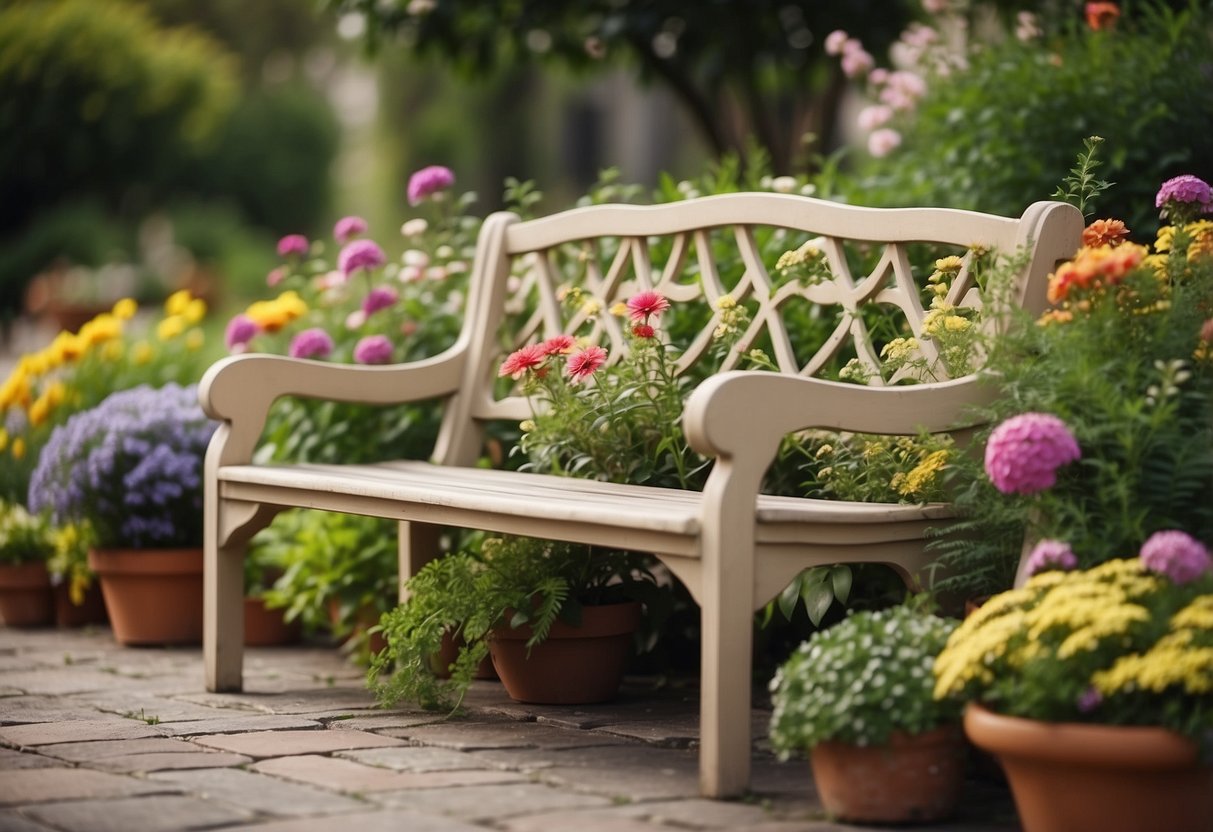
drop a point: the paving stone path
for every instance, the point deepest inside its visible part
(95, 737)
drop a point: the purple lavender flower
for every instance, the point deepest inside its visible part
(311, 343)
(131, 467)
(1188, 191)
(429, 180)
(1051, 554)
(292, 244)
(240, 330)
(1025, 451)
(347, 228)
(381, 297)
(373, 349)
(1089, 700)
(360, 254)
(1177, 555)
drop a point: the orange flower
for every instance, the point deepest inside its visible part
(1101, 16)
(1104, 233)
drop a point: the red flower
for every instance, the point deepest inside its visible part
(1102, 16)
(1104, 233)
(583, 364)
(519, 361)
(647, 304)
(643, 331)
(559, 345)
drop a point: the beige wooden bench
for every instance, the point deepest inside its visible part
(733, 548)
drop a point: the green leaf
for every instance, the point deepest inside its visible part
(789, 597)
(520, 617)
(840, 578)
(817, 600)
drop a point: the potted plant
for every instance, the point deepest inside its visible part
(858, 697)
(26, 599)
(131, 468)
(556, 618)
(1092, 687)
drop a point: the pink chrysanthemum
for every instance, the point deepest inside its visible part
(311, 343)
(559, 345)
(292, 244)
(1177, 555)
(1025, 451)
(381, 297)
(1185, 189)
(521, 360)
(360, 254)
(429, 180)
(373, 349)
(347, 228)
(240, 330)
(643, 331)
(584, 364)
(275, 276)
(647, 304)
(1051, 554)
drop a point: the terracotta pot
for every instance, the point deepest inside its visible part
(915, 778)
(366, 617)
(264, 627)
(153, 596)
(449, 652)
(573, 665)
(26, 599)
(90, 611)
(1069, 777)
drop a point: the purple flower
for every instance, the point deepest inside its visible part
(373, 349)
(360, 254)
(292, 244)
(381, 297)
(429, 181)
(240, 330)
(311, 343)
(1051, 554)
(1089, 700)
(347, 228)
(1185, 190)
(1177, 555)
(1025, 451)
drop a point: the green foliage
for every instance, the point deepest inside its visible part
(1141, 86)
(862, 679)
(1081, 188)
(24, 538)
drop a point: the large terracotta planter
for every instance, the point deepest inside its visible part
(915, 778)
(26, 599)
(153, 596)
(265, 627)
(89, 611)
(573, 665)
(1069, 777)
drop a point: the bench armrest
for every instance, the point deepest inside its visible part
(239, 390)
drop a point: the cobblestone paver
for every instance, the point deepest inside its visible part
(95, 737)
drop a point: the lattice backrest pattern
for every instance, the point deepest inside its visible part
(870, 285)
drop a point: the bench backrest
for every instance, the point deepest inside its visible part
(696, 251)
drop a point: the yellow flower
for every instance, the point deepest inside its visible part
(1198, 615)
(142, 353)
(177, 301)
(39, 410)
(194, 340)
(955, 323)
(3, 439)
(194, 311)
(949, 264)
(113, 350)
(619, 310)
(18, 449)
(170, 327)
(591, 307)
(104, 327)
(125, 309)
(922, 475)
(725, 302)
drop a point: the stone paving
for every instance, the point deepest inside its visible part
(95, 737)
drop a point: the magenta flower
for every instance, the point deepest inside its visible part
(240, 330)
(429, 181)
(381, 297)
(373, 349)
(1025, 451)
(347, 228)
(1089, 700)
(1177, 555)
(521, 360)
(360, 254)
(1185, 190)
(1051, 554)
(644, 331)
(559, 345)
(292, 244)
(647, 304)
(584, 364)
(311, 343)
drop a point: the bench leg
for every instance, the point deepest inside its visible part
(418, 545)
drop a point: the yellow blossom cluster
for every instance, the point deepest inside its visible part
(273, 315)
(922, 476)
(807, 262)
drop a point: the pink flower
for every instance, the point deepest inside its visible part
(240, 330)
(381, 297)
(835, 42)
(1025, 451)
(355, 319)
(347, 228)
(559, 345)
(429, 181)
(1051, 554)
(275, 276)
(874, 116)
(1177, 555)
(373, 349)
(1186, 196)
(857, 62)
(647, 304)
(1089, 700)
(643, 331)
(311, 343)
(292, 244)
(583, 364)
(360, 254)
(882, 142)
(519, 361)
(1206, 331)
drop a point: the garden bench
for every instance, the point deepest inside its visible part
(732, 547)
